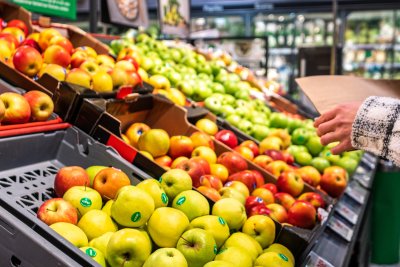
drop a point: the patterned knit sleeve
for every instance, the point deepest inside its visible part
(376, 127)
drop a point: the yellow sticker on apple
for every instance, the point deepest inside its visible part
(85, 202)
(164, 198)
(91, 252)
(283, 257)
(136, 217)
(180, 201)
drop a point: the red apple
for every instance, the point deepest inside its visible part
(259, 178)
(32, 43)
(180, 146)
(203, 163)
(253, 201)
(233, 162)
(178, 160)
(263, 161)
(41, 105)
(314, 198)
(55, 54)
(210, 193)
(277, 212)
(17, 109)
(57, 210)
(284, 199)
(10, 39)
(265, 194)
(108, 181)
(68, 177)
(290, 182)
(287, 157)
(16, 32)
(211, 181)
(227, 137)
(338, 170)
(77, 58)
(245, 152)
(201, 139)
(302, 214)
(259, 210)
(247, 177)
(27, 60)
(131, 59)
(252, 145)
(274, 154)
(277, 167)
(333, 183)
(134, 131)
(194, 169)
(310, 175)
(133, 78)
(271, 187)
(63, 42)
(164, 161)
(19, 24)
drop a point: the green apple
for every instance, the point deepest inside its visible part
(356, 154)
(214, 104)
(268, 259)
(278, 248)
(228, 100)
(214, 225)
(300, 136)
(333, 159)
(84, 199)
(128, 247)
(226, 111)
(234, 77)
(174, 77)
(132, 206)
(222, 77)
(192, 203)
(348, 163)
(71, 232)
(107, 207)
(185, 88)
(278, 120)
(293, 149)
(201, 92)
(235, 255)
(101, 242)
(246, 126)
(245, 94)
(314, 145)
(320, 163)
(96, 223)
(232, 211)
(198, 246)
(166, 226)
(175, 181)
(92, 171)
(242, 111)
(260, 131)
(229, 192)
(303, 158)
(261, 228)
(219, 264)
(234, 120)
(95, 254)
(259, 118)
(245, 242)
(217, 88)
(294, 124)
(155, 190)
(230, 87)
(166, 257)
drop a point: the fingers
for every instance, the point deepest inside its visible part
(330, 138)
(342, 147)
(326, 127)
(329, 115)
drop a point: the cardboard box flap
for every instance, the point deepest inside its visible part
(10, 11)
(325, 92)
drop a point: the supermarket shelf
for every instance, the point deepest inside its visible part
(367, 65)
(282, 51)
(368, 46)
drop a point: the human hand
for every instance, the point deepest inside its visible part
(336, 125)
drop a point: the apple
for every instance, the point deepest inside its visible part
(194, 169)
(314, 198)
(290, 182)
(207, 126)
(229, 192)
(245, 152)
(320, 163)
(63, 42)
(333, 183)
(83, 198)
(261, 228)
(5, 51)
(108, 181)
(95, 254)
(177, 161)
(284, 199)
(102, 82)
(310, 175)
(132, 206)
(155, 190)
(246, 177)
(71, 232)
(56, 54)
(77, 58)
(214, 225)
(274, 154)
(232, 211)
(119, 77)
(166, 257)
(245, 242)
(135, 130)
(88, 50)
(209, 192)
(55, 71)
(57, 210)
(277, 212)
(128, 247)
(302, 214)
(10, 39)
(192, 203)
(271, 142)
(79, 77)
(283, 134)
(209, 180)
(174, 182)
(201, 139)
(260, 131)
(203, 163)
(300, 136)
(263, 193)
(166, 226)
(233, 162)
(205, 152)
(68, 177)
(252, 145)
(180, 146)
(314, 145)
(96, 223)
(159, 82)
(262, 161)
(17, 109)
(27, 60)
(41, 105)
(219, 264)
(2, 110)
(107, 207)
(219, 171)
(271, 187)
(287, 157)
(101, 242)
(273, 258)
(277, 167)
(234, 255)
(16, 32)
(90, 66)
(198, 246)
(154, 141)
(92, 171)
(278, 248)
(303, 158)
(348, 163)
(19, 24)
(239, 186)
(338, 170)
(45, 36)
(164, 161)
(227, 137)
(213, 103)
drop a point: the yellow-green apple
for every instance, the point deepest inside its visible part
(314, 198)
(271, 187)
(71, 232)
(180, 146)
(45, 36)
(271, 142)
(154, 141)
(302, 214)
(272, 258)
(164, 161)
(95, 254)
(55, 71)
(246, 243)
(102, 82)
(88, 50)
(132, 206)
(68, 177)
(27, 60)
(128, 247)
(63, 42)
(338, 170)
(16, 32)
(277, 167)
(96, 223)
(90, 66)
(79, 77)
(83, 198)
(17, 109)
(214, 225)
(245, 152)
(228, 192)
(263, 161)
(207, 126)
(105, 60)
(34, 36)
(166, 257)
(310, 175)
(77, 58)
(215, 263)
(239, 186)
(56, 54)
(166, 226)
(201, 139)
(252, 145)
(232, 211)
(107, 207)
(108, 181)
(227, 137)
(333, 183)
(192, 203)
(197, 246)
(101, 242)
(145, 153)
(211, 181)
(261, 228)
(119, 77)
(209, 192)
(264, 194)
(143, 74)
(11, 40)
(247, 177)
(57, 210)
(134, 131)
(5, 51)
(155, 190)
(219, 171)
(284, 199)
(233, 162)
(283, 134)
(19, 24)
(290, 182)
(41, 104)
(159, 82)
(178, 160)
(193, 169)
(205, 152)
(203, 163)
(125, 65)
(174, 182)
(279, 248)
(234, 255)
(277, 212)
(92, 172)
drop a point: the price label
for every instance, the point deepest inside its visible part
(314, 260)
(340, 228)
(363, 179)
(356, 192)
(346, 212)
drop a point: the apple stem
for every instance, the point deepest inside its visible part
(50, 210)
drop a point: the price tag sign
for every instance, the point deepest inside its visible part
(340, 228)
(346, 212)
(314, 260)
(356, 192)
(363, 179)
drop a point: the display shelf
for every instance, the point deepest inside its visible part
(282, 51)
(384, 46)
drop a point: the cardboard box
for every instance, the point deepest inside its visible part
(10, 11)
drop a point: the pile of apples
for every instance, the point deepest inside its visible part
(31, 106)
(156, 223)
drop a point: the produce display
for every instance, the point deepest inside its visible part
(156, 223)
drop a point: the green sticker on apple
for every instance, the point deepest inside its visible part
(221, 250)
(91, 252)
(136, 217)
(283, 257)
(85, 202)
(160, 180)
(180, 201)
(164, 198)
(215, 249)
(221, 220)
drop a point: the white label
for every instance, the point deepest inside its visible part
(340, 228)
(363, 179)
(356, 192)
(346, 212)
(314, 260)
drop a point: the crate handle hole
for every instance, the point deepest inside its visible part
(27, 188)
(8, 192)
(15, 261)
(34, 185)
(43, 183)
